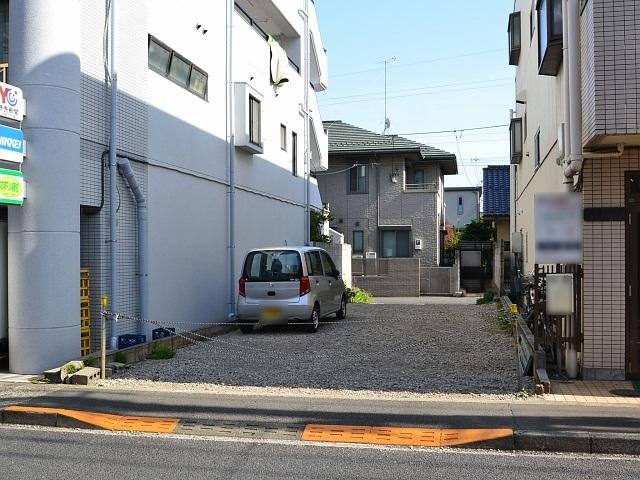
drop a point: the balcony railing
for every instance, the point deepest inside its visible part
(421, 187)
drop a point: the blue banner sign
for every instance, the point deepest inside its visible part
(13, 147)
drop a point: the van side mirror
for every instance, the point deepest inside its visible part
(336, 273)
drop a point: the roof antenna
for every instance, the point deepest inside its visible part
(387, 122)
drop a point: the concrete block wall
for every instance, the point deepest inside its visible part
(401, 278)
(604, 269)
(610, 69)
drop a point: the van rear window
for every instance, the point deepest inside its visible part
(273, 266)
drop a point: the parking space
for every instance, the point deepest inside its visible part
(451, 348)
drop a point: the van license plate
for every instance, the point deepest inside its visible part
(271, 314)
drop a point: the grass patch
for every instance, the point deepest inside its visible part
(488, 297)
(523, 393)
(90, 362)
(71, 369)
(120, 357)
(357, 295)
(162, 352)
(504, 322)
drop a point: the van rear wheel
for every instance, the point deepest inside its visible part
(314, 321)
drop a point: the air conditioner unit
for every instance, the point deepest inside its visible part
(371, 255)
(357, 257)
(417, 244)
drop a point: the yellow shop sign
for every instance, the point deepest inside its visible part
(11, 187)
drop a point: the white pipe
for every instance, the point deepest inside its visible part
(231, 157)
(574, 165)
(113, 178)
(143, 233)
(307, 161)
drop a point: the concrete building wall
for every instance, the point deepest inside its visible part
(610, 71)
(176, 142)
(605, 268)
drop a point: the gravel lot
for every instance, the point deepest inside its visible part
(421, 349)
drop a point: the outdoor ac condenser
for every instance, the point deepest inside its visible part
(371, 255)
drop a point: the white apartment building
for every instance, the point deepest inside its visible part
(191, 78)
(576, 127)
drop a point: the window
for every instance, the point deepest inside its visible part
(515, 39)
(549, 36)
(515, 130)
(254, 121)
(283, 137)
(418, 177)
(273, 265)
(294, 154)
(536, 142)
(169, 64)
(395, 243)
(159, 57)
(460, 206)
(330, 269)
(358, 179)
(358, 241)
(179, 71)
(314, 264)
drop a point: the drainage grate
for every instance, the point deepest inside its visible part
(243, 430)
(420, 437)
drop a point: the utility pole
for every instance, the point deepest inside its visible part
(387, 122)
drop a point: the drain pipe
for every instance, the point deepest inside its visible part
(307, 160)
(231, 158)
(113, 177)
(143, 232)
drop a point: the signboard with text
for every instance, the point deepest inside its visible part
(559, 228)
(12, 104)
(13, 146)
(12, 187)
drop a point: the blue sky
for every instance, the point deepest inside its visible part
(451, 72)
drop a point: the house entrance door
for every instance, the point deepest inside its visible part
(632, 188)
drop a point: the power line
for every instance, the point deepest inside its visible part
(432, 60)
(417, 94)
(488, 127)
(443, 85)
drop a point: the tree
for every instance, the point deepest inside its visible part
(318, 218)
(477, 230)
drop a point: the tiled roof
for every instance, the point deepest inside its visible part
(496, 190)
(349, 140)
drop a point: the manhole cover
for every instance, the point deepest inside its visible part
(626, 393)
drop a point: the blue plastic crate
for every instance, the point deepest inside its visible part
(129, 340)
(162, 332)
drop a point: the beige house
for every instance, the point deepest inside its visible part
(575, 127)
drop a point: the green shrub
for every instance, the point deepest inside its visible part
(120, 357)
(71, 369)
(488, 297)
(90, 361)
(357, 295)
(162, 352)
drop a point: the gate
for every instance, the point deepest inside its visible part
(476, 266)
(553, 333)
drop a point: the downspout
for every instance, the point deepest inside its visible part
(113, 177)
(143, 244)
(307, 161)
(231, 157)
(575, 158)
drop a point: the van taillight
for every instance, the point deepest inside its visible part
(241, 286)
(305, 286)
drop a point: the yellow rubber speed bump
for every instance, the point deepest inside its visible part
(107, 421)
(418, 437)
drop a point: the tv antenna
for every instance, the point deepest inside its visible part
(387, 122)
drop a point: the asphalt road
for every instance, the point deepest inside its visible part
(68, 455)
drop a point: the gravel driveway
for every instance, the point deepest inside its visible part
(391, 348)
